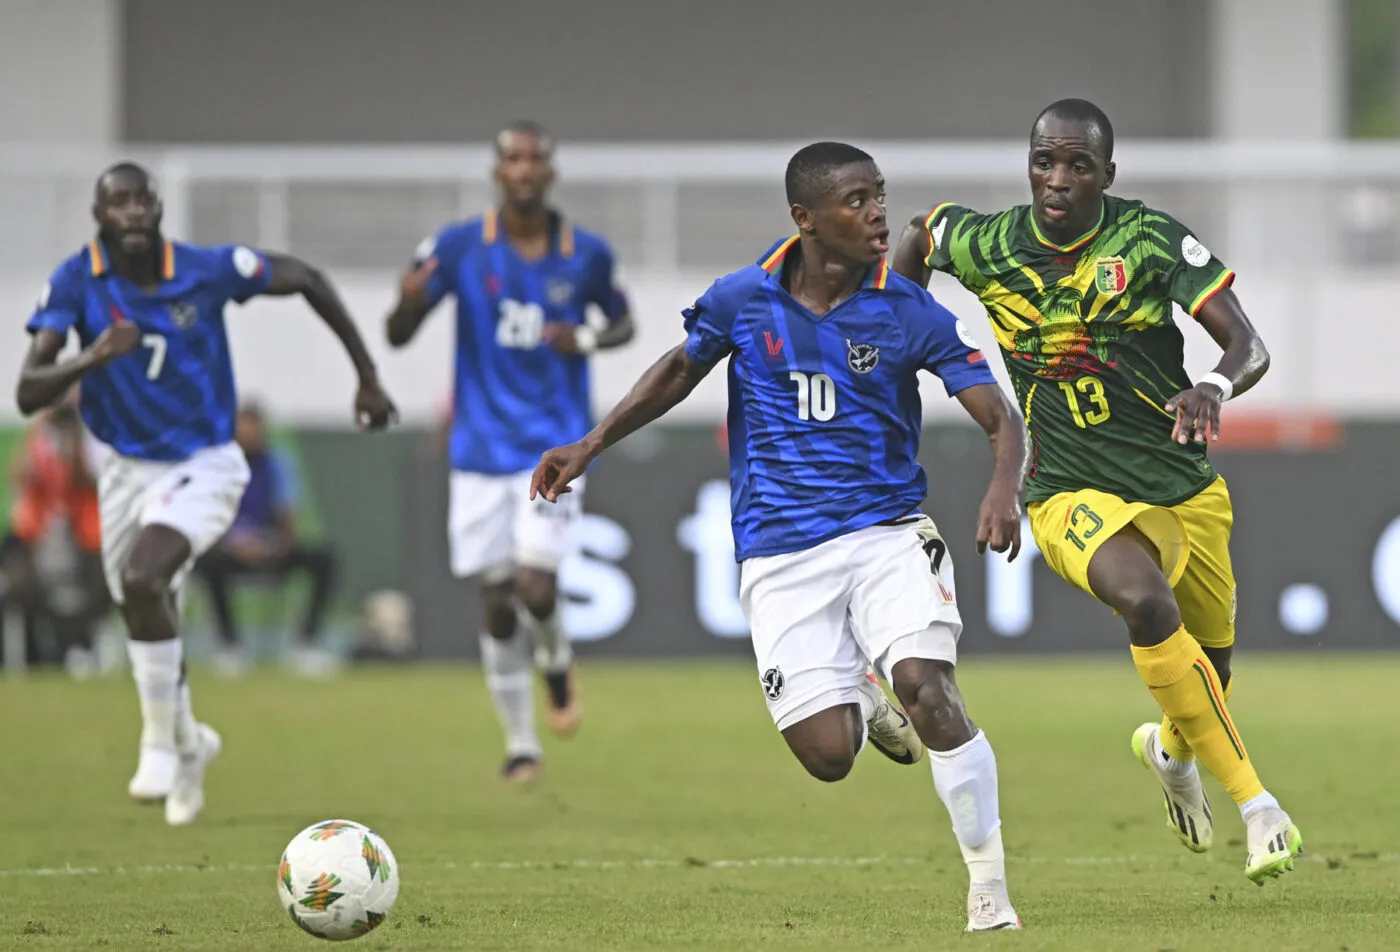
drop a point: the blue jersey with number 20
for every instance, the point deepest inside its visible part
(824, 411)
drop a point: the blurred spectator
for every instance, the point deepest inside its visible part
(263, 545)
(50, 560)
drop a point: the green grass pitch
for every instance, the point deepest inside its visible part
(676, 819)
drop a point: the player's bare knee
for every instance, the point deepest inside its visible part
(1151, 614)
(143, 585)
(929, 692)
(1220, 659)
(498, 610)
(537, 590)
(826, 744)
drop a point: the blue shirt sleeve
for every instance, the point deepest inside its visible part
(445, 246)
(709, 326)
(601, 290)
(944, 347)
(60, 303)
(245, 273)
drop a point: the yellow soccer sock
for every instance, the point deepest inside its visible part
(1170, 738)
(1185, 684)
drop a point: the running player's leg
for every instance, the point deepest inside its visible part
(1206, 593)
(1126, 573)
(160, 519)
(480, 529)
(905, 614)
(811, 670)
(543, 536)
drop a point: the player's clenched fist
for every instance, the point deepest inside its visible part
(413, 286)
(120, 338)
(373, 408)
(557, 468)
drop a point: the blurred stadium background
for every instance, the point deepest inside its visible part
(344, 131)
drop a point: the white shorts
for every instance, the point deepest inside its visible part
(873, 597)
(492, 526)
(197, 497)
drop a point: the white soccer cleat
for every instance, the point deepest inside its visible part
(186, 798)
(155, 774)
(1188, 809)
(890, 731)
(989, 908)
(1274, 843)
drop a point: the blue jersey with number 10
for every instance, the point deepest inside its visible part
(824, 411)
(514, 395)
(174, 394)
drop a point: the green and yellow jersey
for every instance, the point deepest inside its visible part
(1089, 340)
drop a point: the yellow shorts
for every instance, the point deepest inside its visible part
(1192, 537)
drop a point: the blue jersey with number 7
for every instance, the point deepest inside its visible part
(824, 411)
(174, 394)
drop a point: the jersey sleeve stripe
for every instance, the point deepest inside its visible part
(1224, 281)
(928, 222)
(771, 263)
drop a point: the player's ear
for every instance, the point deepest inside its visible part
(802, 217)
(1110, 169)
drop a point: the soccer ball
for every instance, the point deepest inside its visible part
(337, 879)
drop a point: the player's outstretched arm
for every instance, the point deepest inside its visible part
(1243, 363)
(665, 384)
(999, 521)
(43, 381)
(911, 254)
(287, 275)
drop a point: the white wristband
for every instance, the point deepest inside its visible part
(585, 339)
(1221, 381)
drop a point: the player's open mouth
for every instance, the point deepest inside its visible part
(1056, 211)
(881, 242)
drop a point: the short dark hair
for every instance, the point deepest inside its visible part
(809, 172)
(1082, 110)
(526, 127)
(123, 168)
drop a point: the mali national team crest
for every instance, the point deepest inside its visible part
(1110, 275)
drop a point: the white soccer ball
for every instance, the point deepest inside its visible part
(337, 879)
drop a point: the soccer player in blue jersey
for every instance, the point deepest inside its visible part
(535, 297)
(158, 391)
(839, 568)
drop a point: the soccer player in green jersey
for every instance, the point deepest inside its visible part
(1122, 498)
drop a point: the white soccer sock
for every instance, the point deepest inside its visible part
(553, 653)
(966, 781)
(1265, 801)
(155, 665)
(509, 678)
(186, 728)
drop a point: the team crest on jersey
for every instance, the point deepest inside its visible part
(559, 291)
(1110, 275)
(183, 314)
(861, 358)
(773, 683)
